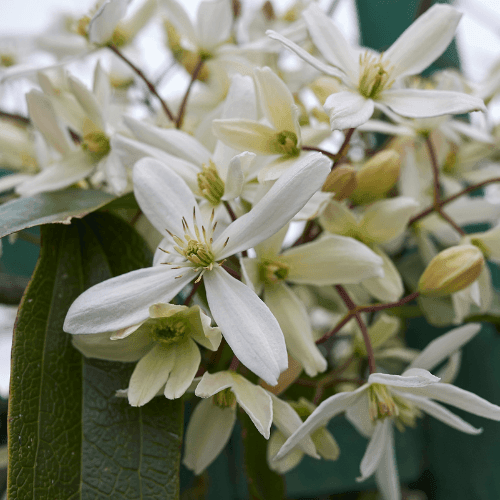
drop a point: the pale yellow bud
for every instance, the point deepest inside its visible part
(378, 175)
(341, 181)
(451, 270)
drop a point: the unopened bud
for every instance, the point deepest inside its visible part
(341, 181)
(451, 270)
(377, 177)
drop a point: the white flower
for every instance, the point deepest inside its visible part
(368, 77)
(400, 399)
(164, 345)
(213, 419)
(246, 323)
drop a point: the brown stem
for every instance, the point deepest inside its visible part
(233, 273)
(326, 153)
(15, 117)
(345, 146)
(230, 211)
(235, 362)
(150, 86)
(451, 222)
(192, 293)
(337, 328)
(182, 109)
(454, 197)
(364, 331)
(389, 305)
(435, 171)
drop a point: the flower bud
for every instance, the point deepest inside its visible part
(378, 175)
(341, 181)
(451, 270)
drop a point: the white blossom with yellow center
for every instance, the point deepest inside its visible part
(370, 78)
(247, 324)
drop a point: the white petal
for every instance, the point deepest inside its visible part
(387, 219)
(303, 54)
(413, 378)
(150, 374)
(248, 326)
(326, 445)
(178, 16)
(163, 196)
(102, 88)
(242, 134)
(331, 260)
(287, 196)
(286, 419)
(71, 168)
(424, 41)
(442, 413)
(87, 101)
(256, 402)
(388, 288)
(465, 400)
(416, 103)
(234, 177)
(276, 100)
(348, 109)
(270, 248)
(123, 301)
(331, 42)
(337, 218)
(287, 463)
(174, 142)
(294, 322)
(444, 346)
(358, 414)
(211, 384)
(207, 433)
(187, 362)
(374, 450)
(386, 474)
(104, 21)
(323, 413)
(450, 370)
(210, 14)
(100, 346)
(44, 118)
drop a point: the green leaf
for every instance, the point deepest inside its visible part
(70, 437)
(46, 208)
(263, 483)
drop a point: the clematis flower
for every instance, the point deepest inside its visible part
(369, 77)
(246, 323)
(213, 419)
(388, 400)
(165, 346)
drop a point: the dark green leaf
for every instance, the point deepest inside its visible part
(263, 483)
(46, 208)
(70, 437)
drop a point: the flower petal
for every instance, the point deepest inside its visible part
(386, 474)
(423, 41)
(331, 260)
(294, 322)
(256, 402)
(441, 413)
(348, 110)
(325, 411)
(103, 23)
(287, 463)
(276, 101)
(444, 346)
(207, 434)
(124, 300)
(234, 178)
(211, 384)
(287, 196)
(416, 103)
(187, 361)
(87, 101)
(214, 13)
(163, 196)
(247, 324)
(331, 42)
(374, 450)
(303, 54)
(413, 378)
(150, 374)
(178, 16)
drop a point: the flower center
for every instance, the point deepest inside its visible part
(7, 60)
(272, 271)
(167, 330)
(96, 143)
(374, 75)
(224, 399)
(384, 404)
(82, 26)
(210, 183)
(286, 143)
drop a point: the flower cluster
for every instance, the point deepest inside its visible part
(273, 217)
